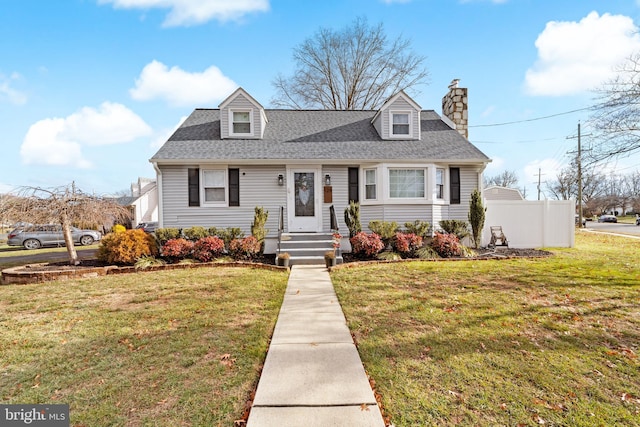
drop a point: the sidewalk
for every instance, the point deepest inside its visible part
(313, 375)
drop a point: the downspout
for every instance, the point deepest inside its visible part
(160, 198)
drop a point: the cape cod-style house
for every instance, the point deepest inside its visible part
(401, 163)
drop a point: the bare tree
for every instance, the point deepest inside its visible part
(616, 115)
(62, 205)
(355, 68)
(594, 185)
(507, 179)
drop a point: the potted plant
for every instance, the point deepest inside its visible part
(283, 259)
(330, 258)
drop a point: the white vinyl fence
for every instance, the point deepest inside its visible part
(532, 224)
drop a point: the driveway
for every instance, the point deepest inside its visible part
(609, 227)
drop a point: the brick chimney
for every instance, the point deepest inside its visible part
(455, 107)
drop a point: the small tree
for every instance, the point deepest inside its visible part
(352, 218)
(257, 226)
(476, 217)
(66, 206)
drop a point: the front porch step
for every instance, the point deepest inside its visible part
(307, 248)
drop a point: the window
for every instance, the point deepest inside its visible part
(439, 183)
(406, 183)
(214, 185)
(454, 185)
(193, 178)
(241, 122)
(370, 184)
(400, 124)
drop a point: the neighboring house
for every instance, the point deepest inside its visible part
(143, 201)
(401, 163)
(495, 192)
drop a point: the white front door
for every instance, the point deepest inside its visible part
(303, 199)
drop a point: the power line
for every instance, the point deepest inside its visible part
(530, 120)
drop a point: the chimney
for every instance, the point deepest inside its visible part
(455, 107)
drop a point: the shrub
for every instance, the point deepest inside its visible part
(177, 249)
(165, 234)
(418, 227)
(457, 227)
(406, 244)
(247, 248)
(148, 261)
(195, 233)
(118, 228)
(446, 245)
(366, 246)
(352, 218)
(229, 234)
(257, 226)
(384, 229)
(126, 247)
(208, 248)
(476, 217)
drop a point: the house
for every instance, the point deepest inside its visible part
(401, 163)
(142, 201)
(495, 192)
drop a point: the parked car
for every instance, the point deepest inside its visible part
(148, 227)
(37, 236)
(607, 218)
(637, 220)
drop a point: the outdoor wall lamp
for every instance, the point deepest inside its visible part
(280, 179)
(327, 179)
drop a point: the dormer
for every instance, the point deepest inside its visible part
(398, 118)
(242, 117)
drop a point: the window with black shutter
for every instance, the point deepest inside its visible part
(354, 195)
(234, 187)
(454, 183)
(193, 184)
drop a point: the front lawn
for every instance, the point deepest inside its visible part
(173, 348)
(523, 342)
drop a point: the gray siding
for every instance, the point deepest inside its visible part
(240, 102)
(400, 104)
(258, 187)
(340, 189)
(468, 183)
(397, 213)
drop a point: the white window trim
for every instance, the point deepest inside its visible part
(241, 110)
(403, 135)
(444, 184)
(364, 184)
(221, 203)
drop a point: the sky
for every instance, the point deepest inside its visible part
(90, 89)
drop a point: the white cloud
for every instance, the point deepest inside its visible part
(6, 91)
(194, 12)
(180, 87)
(59, 141)
(574, 57)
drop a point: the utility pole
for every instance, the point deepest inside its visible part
(539, 175)
(579, 161)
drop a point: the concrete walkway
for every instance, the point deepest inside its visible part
(313, 375)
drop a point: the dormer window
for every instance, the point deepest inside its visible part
(241, 123)
(400, 123)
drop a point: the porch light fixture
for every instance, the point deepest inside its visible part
(280, 180)
(327, 179)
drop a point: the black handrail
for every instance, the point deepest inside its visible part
(280, 226)
(334, 224)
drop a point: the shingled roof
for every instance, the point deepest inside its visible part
(327, 135)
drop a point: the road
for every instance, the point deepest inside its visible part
(614, 227)
(46, 257)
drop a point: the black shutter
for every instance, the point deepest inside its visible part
(234, 187)
(454, 185)
(354, 185)
(193, 179)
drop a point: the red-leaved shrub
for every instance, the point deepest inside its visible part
(177, 249)
(208, 248)
(247, 248)
(366, 246)
(446, 245)
(406, 244)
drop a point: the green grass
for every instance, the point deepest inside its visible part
(512, 342)
(181, 347)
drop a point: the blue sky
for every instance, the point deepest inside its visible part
(89, 89)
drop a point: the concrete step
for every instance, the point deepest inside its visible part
(311, 260)
(292, 244)
(305, 236)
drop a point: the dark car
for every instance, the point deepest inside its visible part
(607, 218)
(148, 227)
(37, 236)
(637, 220)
